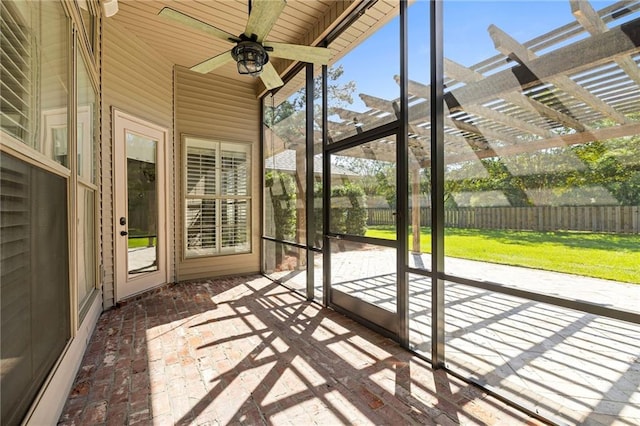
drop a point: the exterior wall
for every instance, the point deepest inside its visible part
(221, 109)
(52, 395)
(138, 81)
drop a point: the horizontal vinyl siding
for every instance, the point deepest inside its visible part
(138, 81)
(221, 109)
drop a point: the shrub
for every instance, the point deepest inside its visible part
(348, 210)
(282, 196)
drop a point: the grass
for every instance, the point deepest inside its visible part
(139, 242)
(609, 256)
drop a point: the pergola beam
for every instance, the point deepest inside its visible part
(593, 23)
(554, 67)
(422, 91)
(580, 56)
(420, 112)
(466, 75)
(556, 142)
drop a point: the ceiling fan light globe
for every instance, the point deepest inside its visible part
(249, 67)
(250, 57)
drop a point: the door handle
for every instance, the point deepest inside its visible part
(123, 233)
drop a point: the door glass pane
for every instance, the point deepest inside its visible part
(365, 271)
(142, 204)
(363, 190)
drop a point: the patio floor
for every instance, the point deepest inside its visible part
(569, 366)
(248, 351)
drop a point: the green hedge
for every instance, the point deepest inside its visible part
(348, 212)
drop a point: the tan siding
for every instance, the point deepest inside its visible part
(301, 22)
(221, 109)
(138, 81)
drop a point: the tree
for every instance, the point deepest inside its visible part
(339, 94)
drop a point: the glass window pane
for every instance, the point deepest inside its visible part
(285, 162)
(572, 365)
(217, 198)
(201, 170)
(318, 274)
(35, 58)
(234, 217)
(86, 245)
(419, 173)
(34, 281)
(234, 171)
(420, 313)
(363, 92)
(87, 122)
(540, 180)
(88, 21)
(318, 170)
(286, 264)
(201, 231)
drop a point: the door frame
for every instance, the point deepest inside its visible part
(380, 319)
(124, 285)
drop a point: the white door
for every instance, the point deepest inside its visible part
(140, 184)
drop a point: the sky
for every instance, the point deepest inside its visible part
(373, 63)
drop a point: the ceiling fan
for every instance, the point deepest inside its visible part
(251, 52)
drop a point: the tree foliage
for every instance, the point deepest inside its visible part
(599, 172)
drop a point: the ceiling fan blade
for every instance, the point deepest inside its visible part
(264, 13)
(188, 21)
(270, 77)
(296, 52)
(212, 63)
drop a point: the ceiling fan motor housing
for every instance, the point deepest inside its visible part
(250, 56)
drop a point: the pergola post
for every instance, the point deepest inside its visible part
(301, 190)
(414, 177)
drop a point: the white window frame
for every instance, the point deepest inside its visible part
(216, 146)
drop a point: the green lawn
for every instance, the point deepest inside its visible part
(139, 242)
(609, 256)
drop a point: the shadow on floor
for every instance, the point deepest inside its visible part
(248, 351)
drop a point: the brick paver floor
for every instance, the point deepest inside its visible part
(248, 351)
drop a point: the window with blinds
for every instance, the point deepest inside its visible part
(34, 64)
(217, 198)
(34, 281)
(15, 63)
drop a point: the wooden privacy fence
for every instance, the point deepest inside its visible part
(618, 219)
